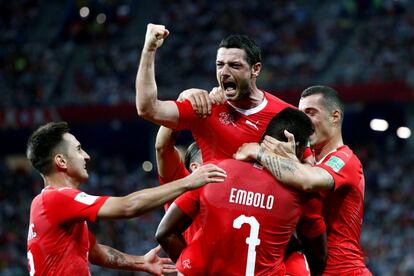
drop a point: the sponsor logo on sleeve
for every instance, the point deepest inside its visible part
(85, 198)
(335, 163)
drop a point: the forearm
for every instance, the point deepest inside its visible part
(109, 257)
(146, 87)
(295, 174)
(148, 199)
(173, 245)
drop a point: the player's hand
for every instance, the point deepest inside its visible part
(247, 152)
(284, 149)
(217, 95)
(156, 265)
(206, 174)
(155, 37)
(199, 99)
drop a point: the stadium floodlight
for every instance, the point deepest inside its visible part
(147, 166)
(101, 18)
(378, 124)
(84, 12)
(403, 132)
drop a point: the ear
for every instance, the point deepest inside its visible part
(194, 166)
(256, 69)
(60, 161)
(336, 116)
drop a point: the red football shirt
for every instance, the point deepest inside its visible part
(227, 128)
(196, 224)
(343, 209)
(58, 241)
(247, 222)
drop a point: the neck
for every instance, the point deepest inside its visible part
(331, 145)
(252, 99)
(60, 180)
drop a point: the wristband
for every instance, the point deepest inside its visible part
(260, 154)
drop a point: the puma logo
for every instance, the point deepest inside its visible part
(252, 124)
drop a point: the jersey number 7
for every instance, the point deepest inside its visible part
(252, 241)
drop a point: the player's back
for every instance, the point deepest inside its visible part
(247, 221)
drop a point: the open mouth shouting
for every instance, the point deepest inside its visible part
(230, 88)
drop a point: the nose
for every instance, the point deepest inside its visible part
(86, 156)
(224, 71)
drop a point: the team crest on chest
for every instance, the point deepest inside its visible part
(226, 118)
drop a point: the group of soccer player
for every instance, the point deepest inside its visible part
(274, 190)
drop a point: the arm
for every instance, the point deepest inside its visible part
(316, 251)
(109, 257)
(169, 231)
(288, 171)
(142, 201)
(147, 104)
(167, 155)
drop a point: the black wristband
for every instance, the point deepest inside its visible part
(260, 154)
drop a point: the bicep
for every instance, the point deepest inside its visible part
(113, 208)
(168, 162)
(175, 221)
(318, 178)
(97, 254)
(165, 113)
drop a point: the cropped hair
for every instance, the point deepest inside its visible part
(294, 121)
(42, 143)
(253, 52)
(331, 99)
(191, 155)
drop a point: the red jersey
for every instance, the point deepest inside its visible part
(343, 209)
(247, 222)
(189, 233)
(58, 241)
(227, 128)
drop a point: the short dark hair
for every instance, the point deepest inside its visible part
(192, 153)
(330, 96)
(294, 121)
(253, 53)
(41, 144)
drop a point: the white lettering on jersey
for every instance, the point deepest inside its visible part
(32, 234)
(249, 198)
(85, 198)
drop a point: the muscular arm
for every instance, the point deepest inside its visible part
(169, 231)
(147, 104)
(288, 171)
(142, 201)
(168, 157)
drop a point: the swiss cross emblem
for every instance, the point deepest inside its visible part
(226, 118)
(187, 264)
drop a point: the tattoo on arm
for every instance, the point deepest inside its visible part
(279, 166)
(328, 179)
(115, 257)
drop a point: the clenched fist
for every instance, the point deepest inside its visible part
(155, 36)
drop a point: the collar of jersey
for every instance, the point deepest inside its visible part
(253, 110)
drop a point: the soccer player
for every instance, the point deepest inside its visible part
(241, 119)
(171, 167)
(338, 174)
(247, 221)
(59, 242)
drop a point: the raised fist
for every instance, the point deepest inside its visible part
(155, 36)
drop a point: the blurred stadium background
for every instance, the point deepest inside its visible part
(77, 60)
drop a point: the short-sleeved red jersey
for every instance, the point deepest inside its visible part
(58, 241)
(196, 224)
(247, 222)
(227, 128)
(343, 209)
